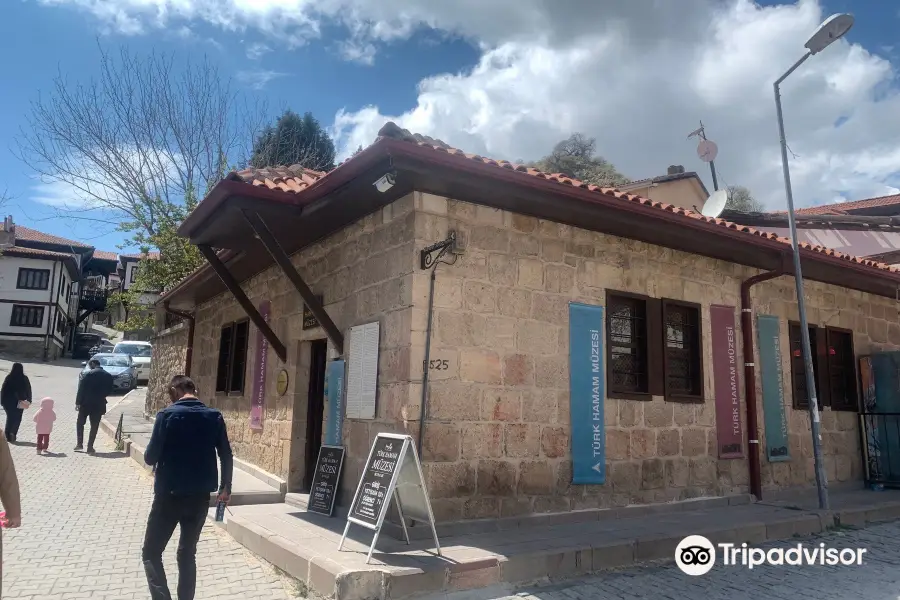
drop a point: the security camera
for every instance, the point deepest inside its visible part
(386, 182)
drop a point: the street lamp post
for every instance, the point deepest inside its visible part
(832, 29)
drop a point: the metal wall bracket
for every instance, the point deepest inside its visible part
(433, 253)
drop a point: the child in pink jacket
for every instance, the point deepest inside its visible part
(43, 420)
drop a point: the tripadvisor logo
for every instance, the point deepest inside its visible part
(696, 555)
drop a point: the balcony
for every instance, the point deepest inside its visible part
(93, 299)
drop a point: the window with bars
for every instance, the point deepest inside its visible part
(627, 323)
(27, 316)
(834, 368)
(683, 351)
(33, 279)
(232, 364)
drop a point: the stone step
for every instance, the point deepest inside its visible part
(305, 546)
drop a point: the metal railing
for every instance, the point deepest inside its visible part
(881, 447)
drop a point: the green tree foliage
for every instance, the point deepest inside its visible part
(740, 198)
(294, 140)
(576, 157)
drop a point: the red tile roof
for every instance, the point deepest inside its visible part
(35, 253)
(152, 255)
(32, 235)
(296, 179)
(104, 255)
(293, 179)
(393, 131)
(843, 207)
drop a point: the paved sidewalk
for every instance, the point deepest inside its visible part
(84, 519)
(876, 578)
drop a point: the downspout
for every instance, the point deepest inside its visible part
(750, 377)
(189, 354)
(50, 306)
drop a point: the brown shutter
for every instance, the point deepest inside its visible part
(798, 400)
(656, 340)
(823, 373)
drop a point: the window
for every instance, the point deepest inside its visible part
(133, 275)
(834, 368)
(683, 351)
(34, 279)
(841, 369)
(632, 324)
(798, 372)
(27, 316)
(232, 357)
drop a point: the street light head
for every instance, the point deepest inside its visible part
(832, 29)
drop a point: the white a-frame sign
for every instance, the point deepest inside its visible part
(391, 471)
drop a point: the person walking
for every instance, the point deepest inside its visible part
(90, 402)
(186, 437)
(43, 424)
(9, 496)
(16, 391)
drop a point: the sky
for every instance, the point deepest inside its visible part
(505, 79)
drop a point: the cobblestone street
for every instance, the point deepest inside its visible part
(877, 579)
(84, 516)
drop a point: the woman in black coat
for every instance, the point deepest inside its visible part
(16, 387)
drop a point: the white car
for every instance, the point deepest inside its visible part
(140, 353)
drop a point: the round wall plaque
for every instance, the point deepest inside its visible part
(282, 384)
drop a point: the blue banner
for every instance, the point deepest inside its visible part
(772, 376)
(334, 391)
(586, 394)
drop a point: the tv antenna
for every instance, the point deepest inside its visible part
(707, 150)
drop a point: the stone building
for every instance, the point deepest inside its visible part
(500, 436)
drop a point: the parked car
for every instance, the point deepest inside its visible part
(83, 344)
(140, 353)
(120, 366)
(104, 347)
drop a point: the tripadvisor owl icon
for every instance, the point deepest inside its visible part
(695, 555)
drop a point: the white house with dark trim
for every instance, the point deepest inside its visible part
(36, 292)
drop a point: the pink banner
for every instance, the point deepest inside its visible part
(258, 406)
(729, 428)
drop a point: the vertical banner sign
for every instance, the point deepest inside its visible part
(334, 389)
(257, 409)
(770, 371)
(729, 430)
(586, 394)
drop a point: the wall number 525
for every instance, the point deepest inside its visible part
(439, 365)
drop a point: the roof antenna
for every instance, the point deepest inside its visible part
(707, 150)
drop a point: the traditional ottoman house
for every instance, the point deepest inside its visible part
(585, 347)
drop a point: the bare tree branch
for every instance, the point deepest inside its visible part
(138, 139)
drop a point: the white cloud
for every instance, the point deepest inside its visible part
(637, 75)
(258, 79)
(257, 50)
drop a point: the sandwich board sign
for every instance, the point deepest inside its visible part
(325, 480)
(392, 472)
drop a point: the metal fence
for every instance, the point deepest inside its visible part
(881, 448)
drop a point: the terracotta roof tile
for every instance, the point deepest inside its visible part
(842, 207)
(34, 252)
(293, 179)
(152, 255)
(104, 255)
(32, 235)
(296, 178)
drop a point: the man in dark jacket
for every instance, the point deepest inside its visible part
(183, 446)
(93, 389)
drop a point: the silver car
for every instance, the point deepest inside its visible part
(120, 366)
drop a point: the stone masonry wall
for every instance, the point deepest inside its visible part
(364, 273)
(169, 353)
(497, 434)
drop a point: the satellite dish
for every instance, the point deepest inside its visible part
(715, 204)
(707, 150)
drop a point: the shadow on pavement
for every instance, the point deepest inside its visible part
(55, 454)
(25, 444)
(109, 455)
